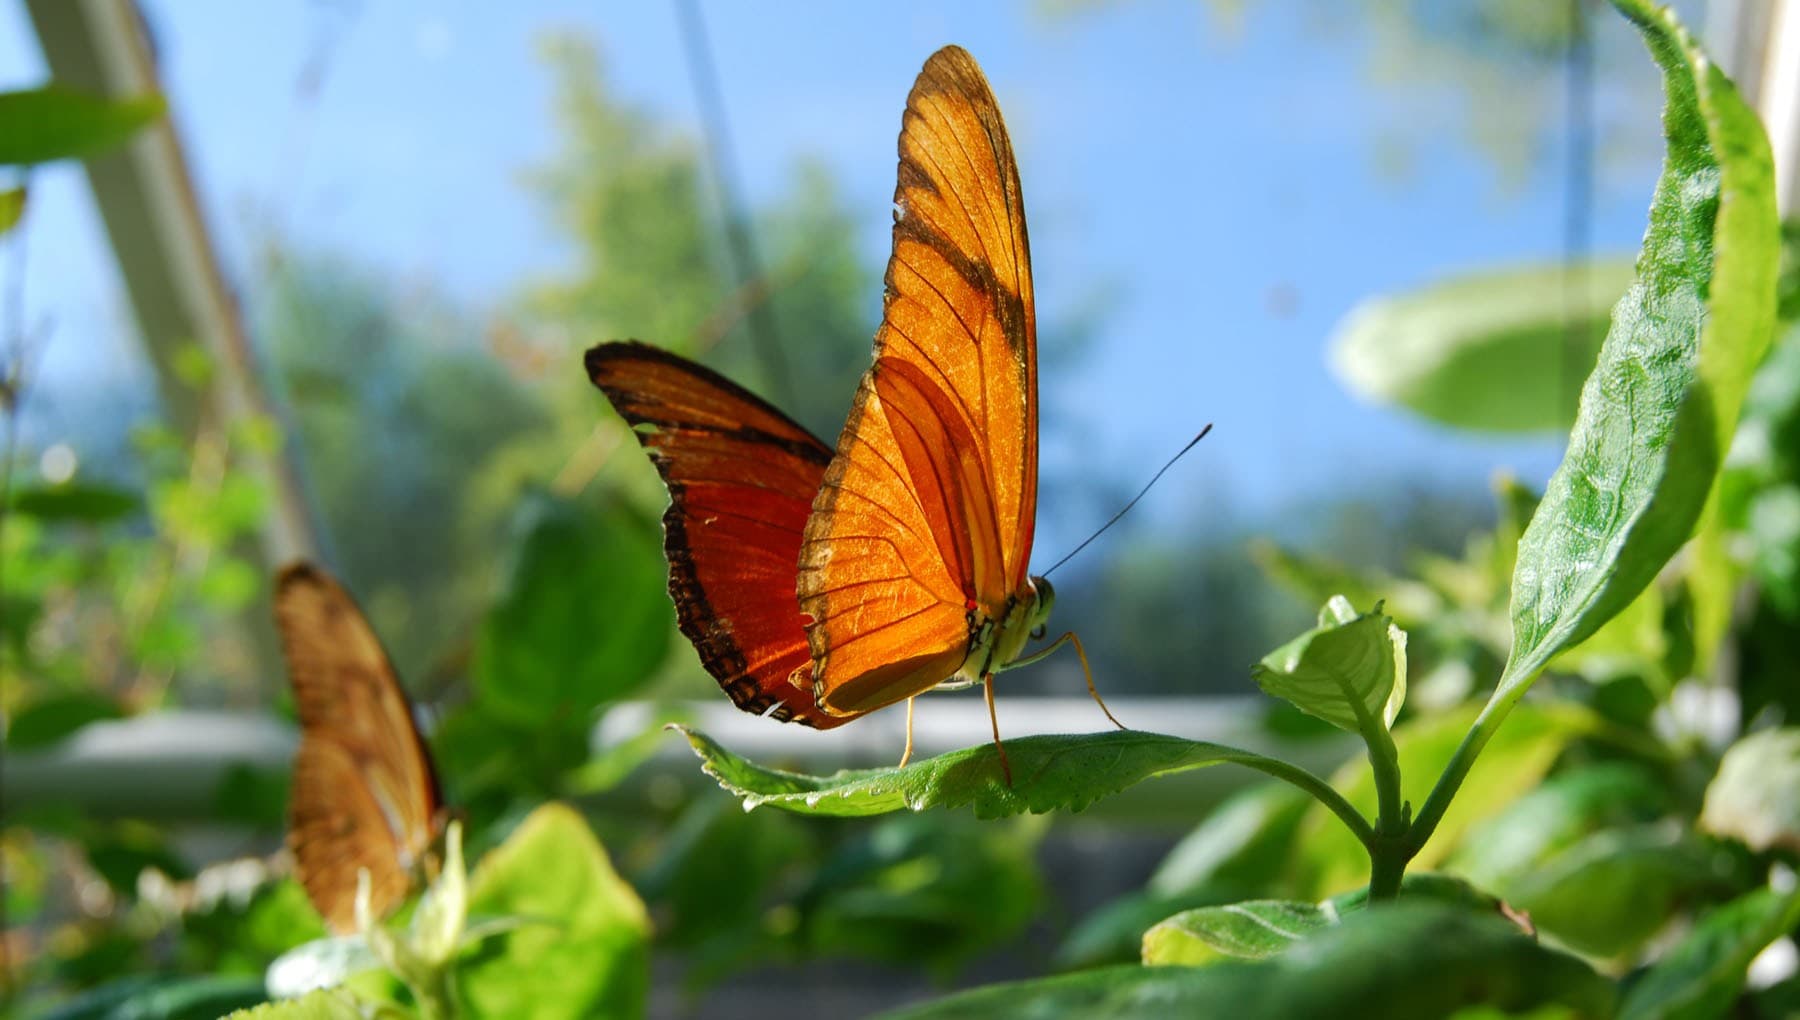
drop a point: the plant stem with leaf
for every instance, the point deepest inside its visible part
(1389, 845)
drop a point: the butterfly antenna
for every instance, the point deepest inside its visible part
(1134, 500)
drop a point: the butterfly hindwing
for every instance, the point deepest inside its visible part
(741, 478)
(922, 528)
(365, 794)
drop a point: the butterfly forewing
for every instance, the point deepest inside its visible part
(741, 478)
(922, 527)
(365, 794)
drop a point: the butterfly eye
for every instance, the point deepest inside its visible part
(1037, 632)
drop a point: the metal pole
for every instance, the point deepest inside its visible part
(178, 291)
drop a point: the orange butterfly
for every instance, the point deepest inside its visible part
(365, 793)
(911, 541)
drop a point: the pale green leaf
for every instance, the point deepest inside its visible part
(1471, 352)
(1250, 930)
(1254, 929)
(587, 955)
(1348, 670)
(1659, 410)
(332, 1004)
(1753, 797)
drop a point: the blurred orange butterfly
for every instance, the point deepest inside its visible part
(365, 794)
(819, 586)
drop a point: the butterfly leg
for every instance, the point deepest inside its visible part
(1088, 671)
(1070, 637)
(987, 687)
(906, 755)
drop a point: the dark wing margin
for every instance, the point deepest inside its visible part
(741, 478)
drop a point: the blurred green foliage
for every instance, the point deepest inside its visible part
(51, 123)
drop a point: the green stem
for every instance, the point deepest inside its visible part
(436, 1002)
(1388, 852)
(1387, 849)
(1387, 866)
(1384, 759)
(1319, 789)
(1495, 713)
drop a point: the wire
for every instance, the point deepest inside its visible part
(1134, 500)
(763, 330)
(1578, 202)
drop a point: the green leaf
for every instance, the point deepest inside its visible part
(1115, 932)
(40, 125)
(1632, 643)
(590, 955)
(53, 718)
(609, 767)
(1758, 495)
(121, 852)
(1063, 772)
(12, 208)
(1751, 798)
(1240, 850)
(1242, 843)
(1611, 891)
(1517, 757)
(1259, 928)
(1348, 670)
(1772, 528)
(1779, 999)
(710, 882)
(1255, 929)
(1659, 410)
(1568, 807)
(334, 1004)
(1427, 885)
(158, 998)
(1404, 961)
(583, 620)
(1711, 581)
(73, 502)
(1250, 930)
(929, 892)
(1703, 974)
(1471, 352)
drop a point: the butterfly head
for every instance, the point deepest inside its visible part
(1040, 609)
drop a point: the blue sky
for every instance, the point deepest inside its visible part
(1194, 172)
